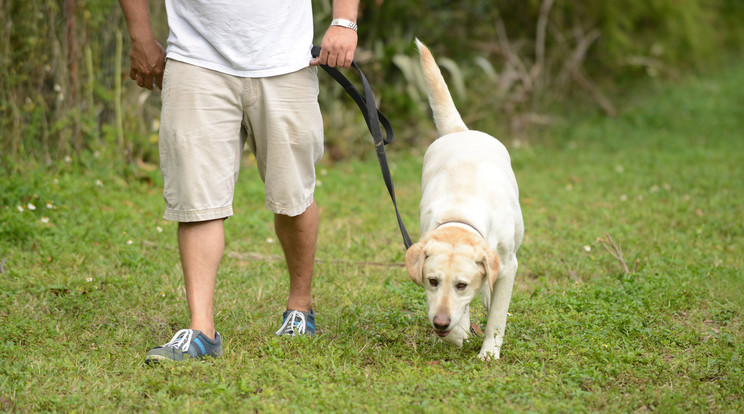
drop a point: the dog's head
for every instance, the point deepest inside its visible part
(452, 264)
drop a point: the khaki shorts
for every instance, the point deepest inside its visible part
(208, 117)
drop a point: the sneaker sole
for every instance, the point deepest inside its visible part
(156, 359)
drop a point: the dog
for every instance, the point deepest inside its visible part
(471, 223)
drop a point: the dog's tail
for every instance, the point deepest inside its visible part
(446, 116)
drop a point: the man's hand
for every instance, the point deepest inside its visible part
(147, 63)
(337, 48)
(146, 56)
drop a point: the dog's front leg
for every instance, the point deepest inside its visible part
(497, 312)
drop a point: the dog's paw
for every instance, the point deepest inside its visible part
(489, 354)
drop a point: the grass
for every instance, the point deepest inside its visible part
(91, 280)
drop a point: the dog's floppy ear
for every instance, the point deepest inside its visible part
(491, 264)
(415, 258)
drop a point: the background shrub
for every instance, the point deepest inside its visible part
(65, 89)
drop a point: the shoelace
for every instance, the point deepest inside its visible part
(294, 317)
(181, 340)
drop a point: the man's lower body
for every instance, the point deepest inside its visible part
(207, 118)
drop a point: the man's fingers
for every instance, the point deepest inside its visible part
(149, 82)
(348, 59)
(334, 56)
(144, 81)
(332, 60)
(344, 60)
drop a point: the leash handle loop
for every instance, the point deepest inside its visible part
(373, 118)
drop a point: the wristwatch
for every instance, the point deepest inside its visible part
(344, 23)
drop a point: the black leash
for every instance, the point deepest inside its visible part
(373, 117)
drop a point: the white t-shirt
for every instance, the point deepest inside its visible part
(248, 38)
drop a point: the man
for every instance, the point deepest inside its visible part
(237, 71)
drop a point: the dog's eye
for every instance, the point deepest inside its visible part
(461, 286)
(433, 282)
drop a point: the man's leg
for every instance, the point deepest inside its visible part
(200, 147)
(298, 236)
(202, 245)
(287, 149)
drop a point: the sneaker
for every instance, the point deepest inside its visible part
(186, 343)
(297, 323)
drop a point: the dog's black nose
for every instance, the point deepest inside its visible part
(441, 322)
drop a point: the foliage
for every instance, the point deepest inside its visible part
(59, 96)
(88, 290)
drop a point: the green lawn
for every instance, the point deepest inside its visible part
(91, 281)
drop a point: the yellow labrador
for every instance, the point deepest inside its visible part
(471, 223)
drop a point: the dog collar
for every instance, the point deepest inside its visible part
(462, 225)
